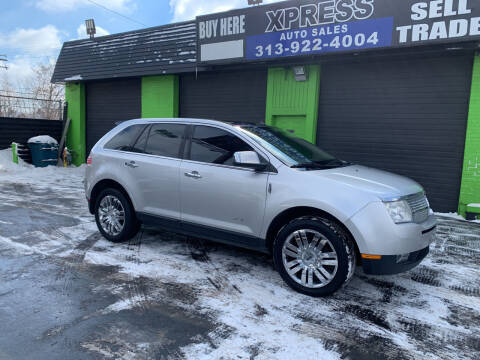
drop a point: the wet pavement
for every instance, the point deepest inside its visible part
(66, 293)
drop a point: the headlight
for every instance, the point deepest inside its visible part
(399, 211)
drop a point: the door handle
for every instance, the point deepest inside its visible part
(131, 164)
(193, 175)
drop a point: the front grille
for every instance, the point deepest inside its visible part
(419, 205)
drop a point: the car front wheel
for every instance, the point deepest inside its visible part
(314, 256)
(115, 216)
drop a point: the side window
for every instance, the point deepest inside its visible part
(165, 140)
(215, 146)
(124, 139)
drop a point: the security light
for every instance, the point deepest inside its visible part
(300, 73)
(91, 30)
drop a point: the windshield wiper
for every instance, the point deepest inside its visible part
(329, 164)
(336, 162)
(311, 165)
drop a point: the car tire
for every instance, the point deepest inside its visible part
(310, 269)
(115, 216)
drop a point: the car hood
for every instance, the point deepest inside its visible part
(377, 182)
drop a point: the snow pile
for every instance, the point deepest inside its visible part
(26, 173)
(455, 216)
(7, 164)
(43, 139)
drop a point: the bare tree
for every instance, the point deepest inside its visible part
(41, 84)
(7, 103)
(41, 88)
(36, 97)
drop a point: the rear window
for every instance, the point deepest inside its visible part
(124, 140)
(165, 140)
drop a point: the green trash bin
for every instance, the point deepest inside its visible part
(43, 154)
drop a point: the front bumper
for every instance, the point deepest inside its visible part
(375, 232)
(388, 248)
(392, 264)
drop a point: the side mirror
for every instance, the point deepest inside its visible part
(249, 159)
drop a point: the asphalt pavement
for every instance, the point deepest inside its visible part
(66, 293)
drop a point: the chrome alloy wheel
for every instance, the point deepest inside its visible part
(111, 215)
(310, 258)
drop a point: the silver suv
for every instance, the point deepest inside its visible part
(258, 187)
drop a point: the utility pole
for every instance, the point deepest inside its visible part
(3, 62)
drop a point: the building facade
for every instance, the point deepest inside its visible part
(392, 85)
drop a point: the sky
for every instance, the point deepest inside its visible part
(33, 31)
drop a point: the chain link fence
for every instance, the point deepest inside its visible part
(25, 107)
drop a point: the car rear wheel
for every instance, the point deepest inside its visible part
(115, 216)
(314, 256)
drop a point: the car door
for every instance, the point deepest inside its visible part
(217, 196)
(155, 161)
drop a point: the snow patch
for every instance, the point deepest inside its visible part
(124, 304)
(74, 78)
(43, 139)
(456, 216)
(21, 248)
(451, 216)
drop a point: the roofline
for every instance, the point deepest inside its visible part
(192, 70)
(106, 37)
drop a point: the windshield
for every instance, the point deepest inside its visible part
(293, 151)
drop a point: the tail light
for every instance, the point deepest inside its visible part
(89, 160)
